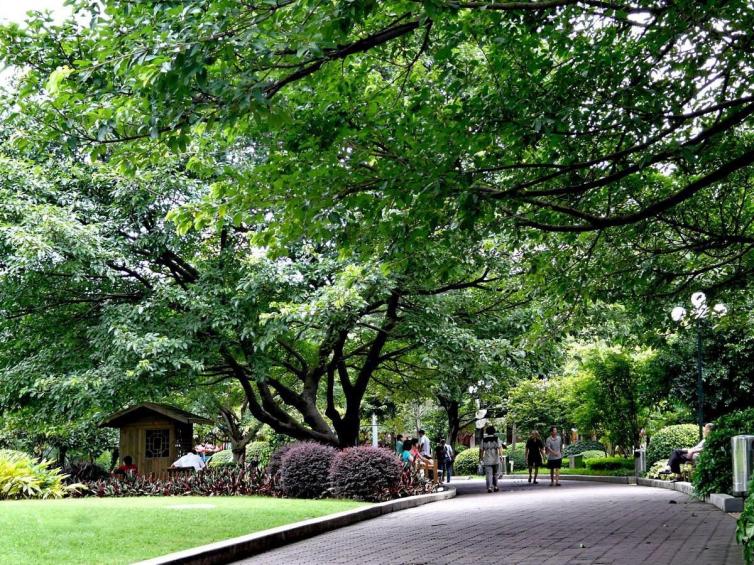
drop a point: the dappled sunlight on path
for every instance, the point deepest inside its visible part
(580, 522)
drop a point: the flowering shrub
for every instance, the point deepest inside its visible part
(365, 473)
(224, 481)
(305, 468)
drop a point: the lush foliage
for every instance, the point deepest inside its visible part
(305, 469)
(85, 471)
(365, 473)
(745, 526)
(609, 463)
(517, 456)
(276, 459)
(655, 470)
(466, 462)
(678, 436)
(582, 447)
(260, 452)
(714, 469)
(222, 458)
(21, 476)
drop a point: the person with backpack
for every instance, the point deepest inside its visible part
(490, 451)
(445, 456)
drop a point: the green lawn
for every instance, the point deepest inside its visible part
(123, 530)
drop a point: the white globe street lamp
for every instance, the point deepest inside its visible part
(699, 312)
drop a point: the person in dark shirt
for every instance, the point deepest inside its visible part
(534, 454)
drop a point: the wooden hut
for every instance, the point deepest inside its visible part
(154, 435)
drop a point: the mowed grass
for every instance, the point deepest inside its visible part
(124, 530)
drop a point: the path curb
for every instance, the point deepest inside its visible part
(246, 546)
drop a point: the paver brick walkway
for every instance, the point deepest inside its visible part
(579, 523)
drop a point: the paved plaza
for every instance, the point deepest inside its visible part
(580, 523)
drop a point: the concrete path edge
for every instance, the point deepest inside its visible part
(252, 544)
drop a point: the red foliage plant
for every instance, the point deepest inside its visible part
(365, 473)
(305, 468)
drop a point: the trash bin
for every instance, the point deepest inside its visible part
(742, 451)
(640, 462)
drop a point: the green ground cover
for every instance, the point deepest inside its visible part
(123, 530)
(583, 471)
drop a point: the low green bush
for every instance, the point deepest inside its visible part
(745, 527)
(714, 469)
(222, 458)
(582, 446)
(259, 451)
(662, 444)
(466, 462)
(609, 463)
(517, 456)
(22, 476)
(654, 471)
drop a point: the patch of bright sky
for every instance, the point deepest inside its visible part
(15, 10)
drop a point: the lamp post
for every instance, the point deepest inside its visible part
(699, 312)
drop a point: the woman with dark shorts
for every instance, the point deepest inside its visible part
(534, 450)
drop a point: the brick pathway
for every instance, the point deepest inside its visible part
(580, 523)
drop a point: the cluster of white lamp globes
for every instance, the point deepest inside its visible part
(700, 309)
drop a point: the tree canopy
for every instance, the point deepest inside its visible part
(313, 202)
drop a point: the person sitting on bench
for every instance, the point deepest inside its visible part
(681, 456)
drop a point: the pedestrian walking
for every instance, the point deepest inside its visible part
(489, 454)
(399, 444)
(445, 456)
(534, 454)
(554, 450)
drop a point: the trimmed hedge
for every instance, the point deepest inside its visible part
(466, 462)
(276, 459)
(582, 446)
(305, 470)
(518, 456)
(714, 469)
(259, 451)
(609, 463)
(222, 458)
(365, 473)
(662, 444)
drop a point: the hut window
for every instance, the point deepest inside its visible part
(158, 443)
